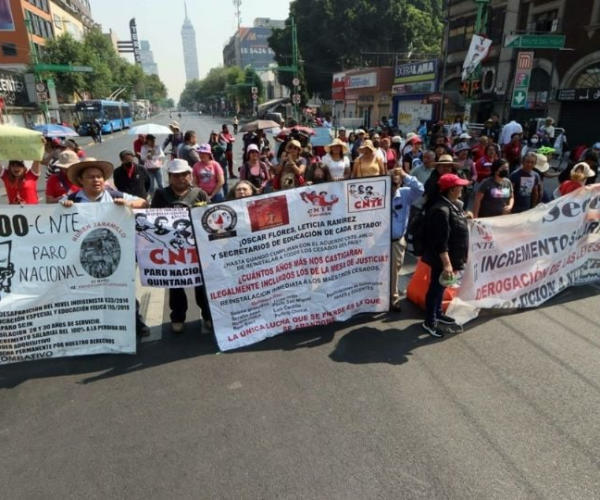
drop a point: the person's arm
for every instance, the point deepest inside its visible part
(131, 201)
(195, 157)
(220, 182)
(36, 168)
(510, 202)
(473, 173)
(161, 153)
(347, 169)
(536, 194)
(242, 173)
(382, 169)
(477, 203)
(439, 227)
(416, 188)
(355, 168)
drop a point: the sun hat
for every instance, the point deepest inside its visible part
(448, 181)
(541, 164)
(294, 143)
(204, 149)
(446, 160)
(409, 136)
(253, 147)
(587, 170)
(360, 131)
(367, 144)
(178, 166)
(175, 125)
(337, 142)
(397, 139)
(342, 129)
(464, 135)
(66, 159)
(77, 169)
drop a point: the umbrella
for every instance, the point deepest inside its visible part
(55, 130)
(20, 143)
(150, 128)
(259, 125)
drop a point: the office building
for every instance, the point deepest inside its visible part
(190, 52)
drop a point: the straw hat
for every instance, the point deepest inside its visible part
(66, 159)
(338, 142)
(77, 169)
(447, 160)
(587, 171)
(541, 165)
(367, 144)
(293, 142)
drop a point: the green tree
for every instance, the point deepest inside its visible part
(332, 34)
(188, 98)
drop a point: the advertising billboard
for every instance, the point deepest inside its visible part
(7, 22)
(254, 47)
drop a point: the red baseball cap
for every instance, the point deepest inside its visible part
(449, 181)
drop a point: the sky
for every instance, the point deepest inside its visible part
(160, 21)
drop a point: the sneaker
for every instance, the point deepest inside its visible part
(446, 320)
(396, 307)
(433, 331)
(177, 327)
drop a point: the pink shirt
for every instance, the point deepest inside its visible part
(206, 175)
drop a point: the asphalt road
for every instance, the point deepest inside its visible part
(371, 408)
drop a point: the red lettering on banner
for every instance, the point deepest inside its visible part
(369, 204)
(184, 256)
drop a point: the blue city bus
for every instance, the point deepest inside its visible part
(112, 115)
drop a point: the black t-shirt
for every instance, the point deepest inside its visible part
(166, 198)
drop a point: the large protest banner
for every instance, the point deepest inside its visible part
(67, 281)
(523, 260)
(165, 248)
(295, 259)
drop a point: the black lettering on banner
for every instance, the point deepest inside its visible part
(18, 224)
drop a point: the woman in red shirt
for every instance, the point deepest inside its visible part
(21, 183)
(484, 164)
(512, 152)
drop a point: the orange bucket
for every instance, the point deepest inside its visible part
(419, 283)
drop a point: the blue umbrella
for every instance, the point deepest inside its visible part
(54, 130)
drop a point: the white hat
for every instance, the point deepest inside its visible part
(66, 159)
(359, 131)
(587, 170)
(252, 147)
(409, 136)
(178, 166)
(464, 135)
(397, 139)
(541, 165)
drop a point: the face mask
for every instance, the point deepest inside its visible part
(129, 164)
(503, 173)
(534, 141)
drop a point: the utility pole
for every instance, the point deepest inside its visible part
(296, 81)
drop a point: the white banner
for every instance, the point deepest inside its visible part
(523, 260)
(478, 51)
(295, 259)
(67, 281)
(165, 248)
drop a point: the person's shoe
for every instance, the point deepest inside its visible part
(396, 307)
(446, 320)
(433, 331)
(177, 327)
(208, 326)
(142, 330)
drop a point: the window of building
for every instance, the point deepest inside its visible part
(545, 22)
(58, 22)
(589, 78)
(9, 49)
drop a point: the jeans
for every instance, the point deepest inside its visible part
(434, 297)
(155, 177)
(178, 303)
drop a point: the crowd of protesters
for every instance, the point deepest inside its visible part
(445, 174)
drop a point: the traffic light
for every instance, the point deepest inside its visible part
(475, 88)
(464, 89)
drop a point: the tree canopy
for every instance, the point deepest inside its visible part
(110, 70)
(333, 34)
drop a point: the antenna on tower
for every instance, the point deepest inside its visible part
(185, 7)
(238, 12)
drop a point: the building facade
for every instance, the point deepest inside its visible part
(190, 51)
(564, 81)
(148, 65)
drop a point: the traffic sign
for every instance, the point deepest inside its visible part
(534, 41)
(296, 82)
(40, 87)
(62, 68)
(296, 99)
(519, 99)
(255, 90)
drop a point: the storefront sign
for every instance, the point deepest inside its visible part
(592, 94)
(13, 89)
(338, 85)
(361, 81)
(414, 88)
(295, 259)
(67, 285)
(416, 72)
(556, 245)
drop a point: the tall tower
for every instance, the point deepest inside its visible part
(190, 53)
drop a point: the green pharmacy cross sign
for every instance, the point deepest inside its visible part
(534, 41)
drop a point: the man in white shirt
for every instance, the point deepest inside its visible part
(512, 127)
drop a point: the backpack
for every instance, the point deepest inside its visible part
(112, 192)
(415, 234)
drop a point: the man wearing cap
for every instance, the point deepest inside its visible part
(91, 176)
(446, 249)
(181, 193)
(414, 157)
(360, 137)
(527, 185)
(175, 139)
(444, 165)
(130, 178)
(58, 184)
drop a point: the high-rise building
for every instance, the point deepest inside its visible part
(190, 53)
(148, 64)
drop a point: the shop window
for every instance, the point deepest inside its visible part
(589, 78)
(9, 49)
